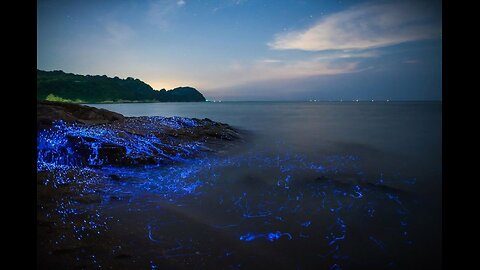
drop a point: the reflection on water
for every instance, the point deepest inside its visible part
(341, 187)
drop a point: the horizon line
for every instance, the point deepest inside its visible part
(354, 100)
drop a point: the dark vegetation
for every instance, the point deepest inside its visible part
(67, 87)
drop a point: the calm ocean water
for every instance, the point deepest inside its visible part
(394, 136)
(381, 163)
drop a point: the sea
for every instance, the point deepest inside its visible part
(313, 185)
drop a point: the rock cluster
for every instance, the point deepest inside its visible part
(50, 111)
(76, 135)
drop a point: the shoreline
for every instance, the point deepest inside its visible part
(132, 213)
(284, 101)
(70, 131)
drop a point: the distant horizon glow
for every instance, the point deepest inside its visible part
(251, 50)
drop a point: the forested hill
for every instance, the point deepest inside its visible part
(60, 86)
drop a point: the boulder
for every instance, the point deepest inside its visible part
(50, 111)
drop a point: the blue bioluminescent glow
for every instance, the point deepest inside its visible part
(150, 234)
(306, 223)
(303, 235)
(357, 191)
(250, 237)
(299, 200)
(335, 267)
(273, 236)
(377, 242)
(64, 143)
(153, 266)
(333, 237)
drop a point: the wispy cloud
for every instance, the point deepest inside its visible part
(298, 69)
(239, 2)
(271, 61)
(161, 11)
(238, 73)
(309, 65)
(347, 54)
(410, 61)
(363, 27)
(338, 44)
(118, 32)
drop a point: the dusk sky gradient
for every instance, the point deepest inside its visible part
(251, 49)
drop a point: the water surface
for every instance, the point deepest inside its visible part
(317, 185)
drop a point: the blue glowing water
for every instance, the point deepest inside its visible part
(319, 185)
(61, 143)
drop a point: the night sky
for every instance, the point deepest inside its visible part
(251, 49)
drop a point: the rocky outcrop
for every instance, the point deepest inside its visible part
(76, 135)
(50, 111)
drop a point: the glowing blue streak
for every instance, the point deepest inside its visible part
(378, 243)
(150, 234)
(336, 239)
(306, 224)
(269, 236)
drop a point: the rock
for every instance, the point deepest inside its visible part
(88, 198)
(74, 140)
(50, 111)
(85, 136)
(114, 177)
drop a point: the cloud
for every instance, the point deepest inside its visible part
(410, 61)
(297, 69)
(225, 4)
(118, 32)
(237, 73)
(271, 61)
(160, 12)
(341, 54)
(318, 64)
(363, 27)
